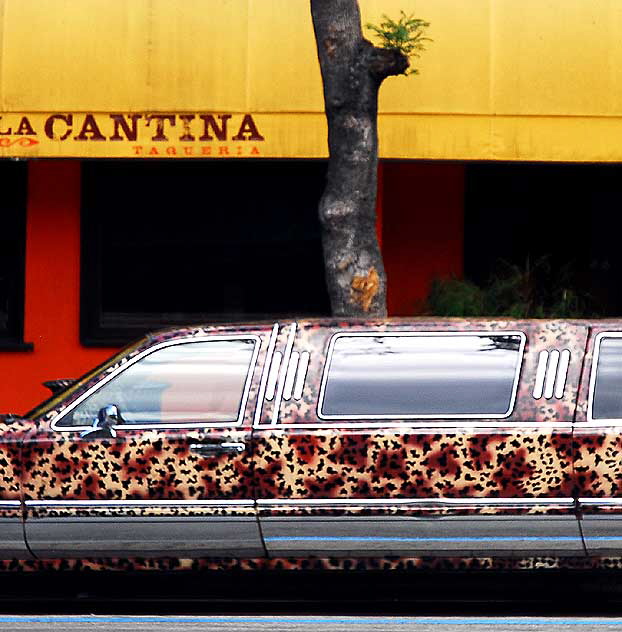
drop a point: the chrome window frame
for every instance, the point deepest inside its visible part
(265, 373)
(433, 425)
(256, 339)
(283, 371)
(427, 334)
(593, 375)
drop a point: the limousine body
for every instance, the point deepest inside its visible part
(327, 444)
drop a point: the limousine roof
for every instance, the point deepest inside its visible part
(333, 322)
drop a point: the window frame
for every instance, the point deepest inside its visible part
(154, 426)
(411, 334)
(593, 375)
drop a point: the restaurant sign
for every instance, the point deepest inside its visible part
(149, 135)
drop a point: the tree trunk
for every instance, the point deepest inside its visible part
(352, 71)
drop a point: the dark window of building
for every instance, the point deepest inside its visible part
(189, 383)
(13, 179)
(552, 228)
(607, 400)
(421, 375)
(178, 242)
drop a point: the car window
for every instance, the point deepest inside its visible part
(193, 382)
(607, 381)
(56, 399)
(421, 375)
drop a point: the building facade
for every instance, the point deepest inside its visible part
(162, 163)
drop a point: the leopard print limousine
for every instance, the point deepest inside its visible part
(402, 444)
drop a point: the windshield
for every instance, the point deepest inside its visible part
(52, 402)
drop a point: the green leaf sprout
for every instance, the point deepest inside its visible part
(406, 35)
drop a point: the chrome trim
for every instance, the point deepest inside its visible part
(481, 424)
(149, 351)
(234, 446)
(275, 365)
(218, 448)
(292, 368)
(603, 502)
(551, 373)
(562, 374)
(398, 334)
(303, 367)
(320, 502)
(593, 375)
(139, 503)
(599, 423)
(10, 504)
(538, 387)
(283, 373)
(264, 374)
(418, 502)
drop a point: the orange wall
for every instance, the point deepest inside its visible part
(52, 289)
(420, 221)
(422, 230)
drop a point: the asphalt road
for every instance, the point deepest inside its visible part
(363, 602)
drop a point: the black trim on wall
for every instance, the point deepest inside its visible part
(14, 184)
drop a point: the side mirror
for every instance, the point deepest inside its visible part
(104, 424)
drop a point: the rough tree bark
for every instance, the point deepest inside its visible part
(352, 71)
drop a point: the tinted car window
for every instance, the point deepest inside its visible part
(182, 383)
(426, 375)
(607, 400)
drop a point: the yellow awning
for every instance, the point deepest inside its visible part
(503, 80)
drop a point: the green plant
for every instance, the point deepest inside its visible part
(454, 297)
(406, 35)
(535, 290)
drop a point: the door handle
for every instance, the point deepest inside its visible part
(212, 449)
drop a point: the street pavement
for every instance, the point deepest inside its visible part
(435, 602)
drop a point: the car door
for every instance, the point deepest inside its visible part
(427, 438)
(12, 542)
(176, 477)
(598, 441)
